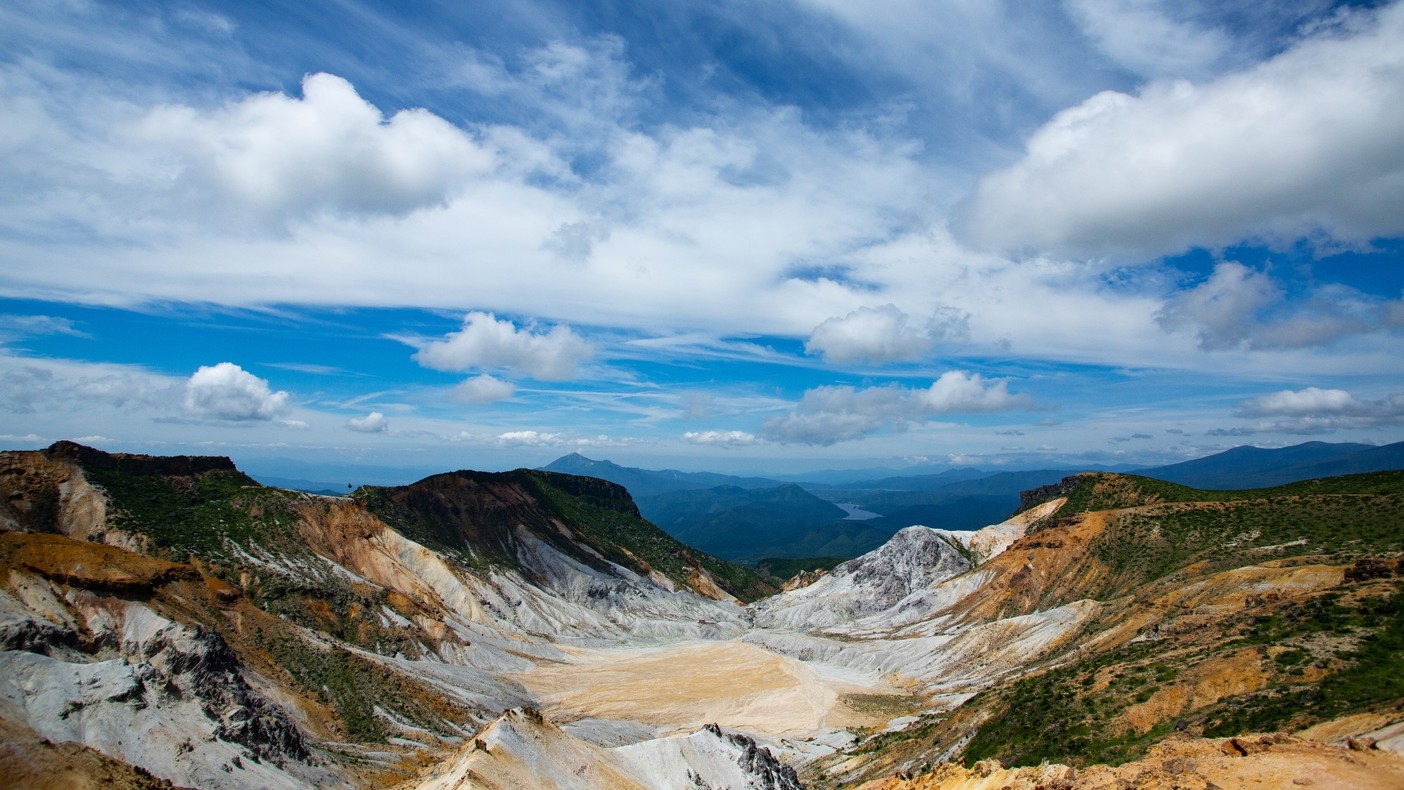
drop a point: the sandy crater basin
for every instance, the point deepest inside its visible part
(680, 687)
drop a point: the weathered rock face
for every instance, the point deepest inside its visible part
(44, 492)
(525, 749)
(121, 679)
(1037, 496)
(915, 559)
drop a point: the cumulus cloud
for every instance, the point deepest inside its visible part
(828, 415)
(880, 334)
(1239, 307)
(375, 422)
(720, 438)
(1315, 410)
(1305, 143)
(274, 155)
(1311, 400)
(960, 391)
(228, 392)
(485, 342)
(483, 389)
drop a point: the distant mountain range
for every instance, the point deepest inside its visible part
(1256, 467)
(648, 482)
(751, 518)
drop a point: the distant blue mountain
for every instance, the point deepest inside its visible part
(1258, 467)
(648, 482)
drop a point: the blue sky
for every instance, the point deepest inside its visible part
(752, 237)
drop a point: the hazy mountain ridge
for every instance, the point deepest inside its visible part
(690, 507)
(649, 482)
(1255, 467)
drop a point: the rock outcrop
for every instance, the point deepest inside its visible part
(523, 748)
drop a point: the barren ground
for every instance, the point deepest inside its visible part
(681, 687)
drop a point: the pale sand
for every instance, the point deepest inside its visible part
(680, 687)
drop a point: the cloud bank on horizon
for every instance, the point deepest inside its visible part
(810, 233)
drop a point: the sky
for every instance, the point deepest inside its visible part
(751, 237)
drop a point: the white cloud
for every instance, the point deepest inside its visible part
(375, 422)
(274, 156)
(30, 386)
(485, 342)
(552, 439)
(1222, 309)
(483, 389)
(1141, 35)
(720, 438)
(25, 325)
(1239, 307)
(1316, 410)
(1311, 400)
(228, 392)
(827, 415)
(1303, 144)
(325, 199)
(530, 439)
(876, 334)
(29, 438)
(959, 391)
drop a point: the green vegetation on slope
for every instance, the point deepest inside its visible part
(1065, 715)
(1094, 491)
(1337, 653)
(354, 687)
(618, 531)
(1147, 545)
(195, 515)
(783, 568)
(1057, 717)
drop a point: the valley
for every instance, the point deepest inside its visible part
(170, 622)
